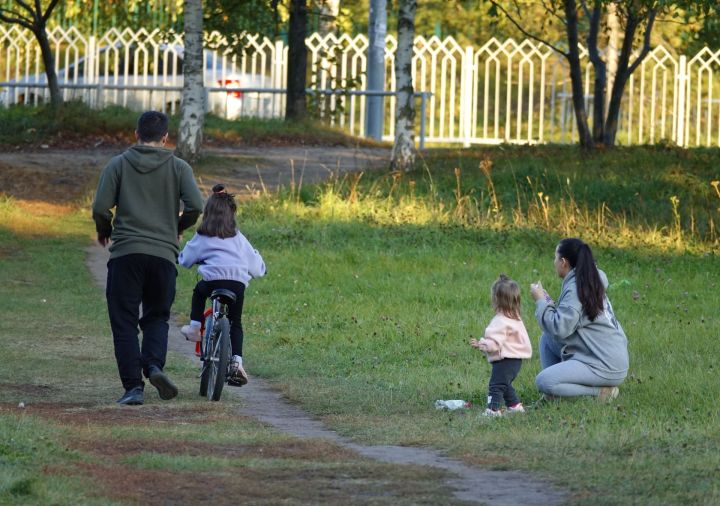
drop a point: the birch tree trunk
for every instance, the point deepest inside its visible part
(192, 110)
(611, 53)
(403, 156)
(295, 106)
(329, 11)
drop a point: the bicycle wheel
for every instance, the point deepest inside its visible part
(205, 353)
(219, 357)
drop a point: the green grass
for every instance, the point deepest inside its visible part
(70, 444)
(30, 126)
(375, 286)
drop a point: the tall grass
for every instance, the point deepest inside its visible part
(678, 211)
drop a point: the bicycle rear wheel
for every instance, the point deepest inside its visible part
(218, 360)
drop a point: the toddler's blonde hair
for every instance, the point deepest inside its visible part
(505, 294)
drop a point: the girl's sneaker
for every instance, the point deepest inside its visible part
(191, 332)
(491, 412)
(238, 376)
(517, 408)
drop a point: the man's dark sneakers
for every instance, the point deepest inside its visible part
(133, 397)
(160, 380)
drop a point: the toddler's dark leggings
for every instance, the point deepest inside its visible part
(503, 373)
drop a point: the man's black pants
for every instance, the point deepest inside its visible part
(202, 291)
(503, 373)
(135, 280)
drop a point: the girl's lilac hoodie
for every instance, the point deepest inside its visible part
(232, 259)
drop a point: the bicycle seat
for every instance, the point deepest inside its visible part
(225, 296)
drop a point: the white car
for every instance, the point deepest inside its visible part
(118, 81)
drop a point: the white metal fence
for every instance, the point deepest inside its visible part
(502, 91)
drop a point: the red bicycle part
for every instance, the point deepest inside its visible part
(207, 313)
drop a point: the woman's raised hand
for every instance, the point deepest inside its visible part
(537, 291)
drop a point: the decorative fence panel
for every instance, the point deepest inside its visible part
(501, 91)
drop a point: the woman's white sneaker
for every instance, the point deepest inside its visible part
(607, 394)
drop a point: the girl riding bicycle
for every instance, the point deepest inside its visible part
(226, 260)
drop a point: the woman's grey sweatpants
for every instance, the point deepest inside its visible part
(569, 378)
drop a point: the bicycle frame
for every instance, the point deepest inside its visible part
(218, 311)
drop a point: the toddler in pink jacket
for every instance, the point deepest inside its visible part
(505, 344)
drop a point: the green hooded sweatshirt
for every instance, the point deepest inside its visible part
(145, 185)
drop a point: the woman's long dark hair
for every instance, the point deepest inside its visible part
(219, 215)
(591, 291)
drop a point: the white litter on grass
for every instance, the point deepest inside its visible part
(21, 405)
(451, 404)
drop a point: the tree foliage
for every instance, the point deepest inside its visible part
(34, 16)
(584, 21)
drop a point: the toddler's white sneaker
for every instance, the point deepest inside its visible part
(517, 408)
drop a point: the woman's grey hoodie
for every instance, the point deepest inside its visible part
(599, 343)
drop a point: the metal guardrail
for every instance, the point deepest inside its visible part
(100, 87)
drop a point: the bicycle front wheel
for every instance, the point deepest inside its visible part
(218, 360)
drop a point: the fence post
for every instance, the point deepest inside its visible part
(90, 70)
(423, 97)
(278, 76)
(466, 96)
(682, 88)
(99, 95)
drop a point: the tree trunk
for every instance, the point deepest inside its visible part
(611, 53)
(621, 77)
(329, 11)
(296, 107)
(600, 75)
(41, 35)
(573, 57)
(192, 110)
(403, 156)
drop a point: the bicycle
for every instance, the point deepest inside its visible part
(215, 345)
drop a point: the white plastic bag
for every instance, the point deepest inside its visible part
(452, 404)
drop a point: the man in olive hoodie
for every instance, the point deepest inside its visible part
(145, 185)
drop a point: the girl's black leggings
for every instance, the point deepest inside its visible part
(200, 295)
(500, 389)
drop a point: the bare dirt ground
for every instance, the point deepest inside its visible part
(64, 177)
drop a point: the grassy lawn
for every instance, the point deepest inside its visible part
(375, 285)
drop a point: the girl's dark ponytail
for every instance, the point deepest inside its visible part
(591, 291)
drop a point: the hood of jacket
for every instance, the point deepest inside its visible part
(570, 279)
(146, 159)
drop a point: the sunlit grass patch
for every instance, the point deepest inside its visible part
(38, 218)
(656, 201)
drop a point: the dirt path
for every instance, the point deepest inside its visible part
(261, 401)
(64, 176)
